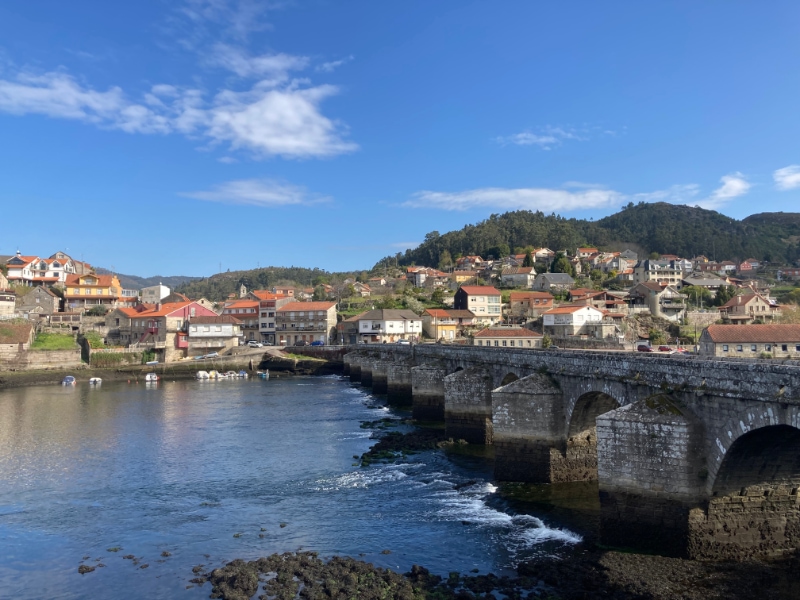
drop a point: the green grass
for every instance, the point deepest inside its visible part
(54, 341)
(95, 340)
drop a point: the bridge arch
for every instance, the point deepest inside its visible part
(766, 456)
(510, 377)
(587, 408)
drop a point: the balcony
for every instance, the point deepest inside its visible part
(150, 344)
(206, 344)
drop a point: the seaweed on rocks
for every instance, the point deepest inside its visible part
(393, 445)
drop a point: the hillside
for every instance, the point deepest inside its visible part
(658, 227)
(134, 282)
(219, 286)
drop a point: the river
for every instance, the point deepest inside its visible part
(211, 471)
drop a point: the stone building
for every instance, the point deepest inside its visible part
(8, 300)
(749, 308)
(529, 305)
(511, 337)
(553, 282)
(751, 341)
(40, 300)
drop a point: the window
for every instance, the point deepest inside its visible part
(739, 348)
(480, 343)
(504, 342)
(797, 348)
(206, 328)
(784, 348)
(752, 347)
(218, 328)
(529, 343)
(768, 347)
(724, 347)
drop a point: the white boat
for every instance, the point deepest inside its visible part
(151, 377)
(243, 374)
(263, 374)
(202, 375)
(68, 380)
(95, 381)
(213, 375)
(232, 374)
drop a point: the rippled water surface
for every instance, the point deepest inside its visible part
(208, 471)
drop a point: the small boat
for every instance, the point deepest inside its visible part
(213, 375)
(232, 374)
(68, 380)
(95, 381)
(152, 362)
(243, 374)
(202, 375)
(263, 374)
(151, 377)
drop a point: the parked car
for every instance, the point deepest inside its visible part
(664, 349)
(212, 355)
(254, 344)
(318, 343)
(644, 349)
(404, 342)
(301, 343)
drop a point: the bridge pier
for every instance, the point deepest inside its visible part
(528, 422)
(355, 367)
(650, 474)
(427, 387)
(379, 376)
(468, 405)
(346, 363)
(398, 383)
(366, 371)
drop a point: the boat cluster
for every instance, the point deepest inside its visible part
(204, 375)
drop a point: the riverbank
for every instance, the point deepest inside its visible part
(587, 573)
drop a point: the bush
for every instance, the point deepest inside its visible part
(97, 311)
(95, 340)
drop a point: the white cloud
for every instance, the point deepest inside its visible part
(238, 18)
(329, 67)
(258, 192)
(787, 178)
(733, 186)
(544, 199)
(268, 120)
(276, 66)
(546, 139)
(676, 194)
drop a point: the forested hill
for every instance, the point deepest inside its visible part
(134, 282)
(217, 287)
(658, 227)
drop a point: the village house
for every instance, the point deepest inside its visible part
(602, 299)
(749, 308)
(710, 283)
(788, 274)
(466, 276)
(154, 293)
(362, 289)
(306, 322)
(446, 323)
(33, 270)
(584, 253)
(469, 263)
(553, 282)
(518, 277)
(347, 330)
(507, 337)
(162, 329)
(14, 339)
(388, 325)
(39, 301)
(268, 305)
(86, 291)
(484, 301)
(524, 306)
(284, 291)
(751, 264)
(662, 301)
(566, 321)
(665, 272)
(376, 281)
(751, 341)
(246, 311)
(218, 333)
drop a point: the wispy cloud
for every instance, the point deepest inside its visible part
(733, 186)
(546, 139)
(328, 67)
(544, 199)
(270, 119)
(274, 66)
(258, 192)
(676, 194)
(236, 18)
(787, 178)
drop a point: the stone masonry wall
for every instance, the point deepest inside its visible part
(427, 384)
(468, 406)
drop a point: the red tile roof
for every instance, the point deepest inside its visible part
(770, 334)
(242, 304)
(306, 306)
(439, 313)
(504, 332)
(565, 310)
(476, 290)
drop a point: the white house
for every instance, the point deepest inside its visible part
(518, 276)
(154, 293)
(389, 325)
(570, 320)
(213, 333)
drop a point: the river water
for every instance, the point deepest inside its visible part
(209, 471)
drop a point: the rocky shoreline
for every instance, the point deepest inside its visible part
(586, 572)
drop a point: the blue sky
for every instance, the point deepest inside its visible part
(172, 136)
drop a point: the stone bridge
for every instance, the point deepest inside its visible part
(693, 457)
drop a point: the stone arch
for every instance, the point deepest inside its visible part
(509, 378)
(765, 456)
(587, 408)
(746, 421)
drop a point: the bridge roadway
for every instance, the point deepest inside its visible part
(693, 457)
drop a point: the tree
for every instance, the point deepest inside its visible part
(445, 260)
(725, 293)
(561, 264)
(547, 341)
(528, 262)
(596, 275)
(697, 295)
(656, 336)
(437, 295)
(414, 305)
(319, 293)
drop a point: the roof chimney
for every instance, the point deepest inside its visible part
(158, 305)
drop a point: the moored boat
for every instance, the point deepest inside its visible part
(263, 374)
(151, 377)
(213, 374)
(243, 374)
(232, 374)
(68, 380)
(202, 375)
(95, 381)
